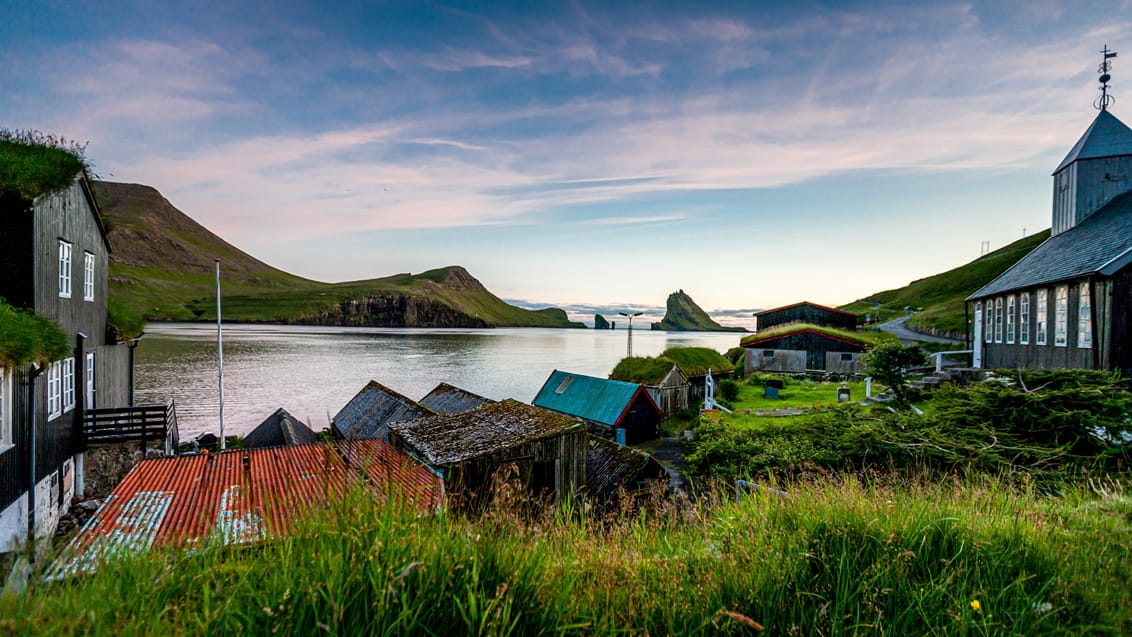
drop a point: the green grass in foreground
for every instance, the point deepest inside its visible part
(833, 558)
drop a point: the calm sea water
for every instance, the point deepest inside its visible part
(313, 371)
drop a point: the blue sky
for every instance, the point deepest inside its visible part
(753, 154)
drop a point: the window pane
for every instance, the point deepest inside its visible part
(1084, 318)
(1061, 316)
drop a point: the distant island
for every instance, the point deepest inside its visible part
(683, 315)
(162, 267)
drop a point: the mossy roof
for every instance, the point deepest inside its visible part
(31, 170)
(696, 361)
(26, 337)
(642, 369)
(864, 339)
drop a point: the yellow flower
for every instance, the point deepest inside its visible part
(976, 606)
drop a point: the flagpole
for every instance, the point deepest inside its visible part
(220, 354)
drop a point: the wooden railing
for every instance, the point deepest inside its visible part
(141, 423)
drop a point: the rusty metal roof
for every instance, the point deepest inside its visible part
(237, 497)
(449, 438)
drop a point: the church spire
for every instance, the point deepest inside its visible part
(1105, 99)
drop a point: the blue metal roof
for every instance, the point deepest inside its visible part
(597, 399)
(1105, 137)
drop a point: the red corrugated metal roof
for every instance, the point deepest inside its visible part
(238, 496)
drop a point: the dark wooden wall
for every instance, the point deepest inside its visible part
(806, 314)
(1120, 347)
(1049, 356)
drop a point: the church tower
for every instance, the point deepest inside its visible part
(1099, 166)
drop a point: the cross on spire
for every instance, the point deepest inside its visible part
(1105, 99)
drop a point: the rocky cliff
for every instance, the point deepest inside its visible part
(683, 315)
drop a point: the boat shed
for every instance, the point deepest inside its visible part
(281, 429)
(613, 470)
(449, 399)
(695, 363)
(623, 411)
(662, 378)
(369, 413)
(470, 448)
(804, 348)
(806, 312)
(241, 496)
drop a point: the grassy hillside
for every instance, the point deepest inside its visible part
(942, 295)
(163, 266)
(683, 315)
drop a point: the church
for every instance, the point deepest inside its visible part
(1068, 303)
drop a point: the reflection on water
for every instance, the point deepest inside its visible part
(313, 371)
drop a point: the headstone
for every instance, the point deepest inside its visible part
(842, 394)
(770, 392)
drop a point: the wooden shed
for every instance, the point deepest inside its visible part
(803, 349)
(613, 470)
(449, 399)
(623, 411)
(280, 429)
(661, 377)
(546, 450)
(695, 363)
(369, 412)
(806, 312)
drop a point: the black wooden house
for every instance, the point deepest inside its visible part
(54, 255)
(806, 312)
(1068, 303)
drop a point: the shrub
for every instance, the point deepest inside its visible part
(729, 389)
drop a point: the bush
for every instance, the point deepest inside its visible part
(729, 389)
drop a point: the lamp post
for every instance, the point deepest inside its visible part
(629, 349)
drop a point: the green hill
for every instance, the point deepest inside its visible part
(941, 296)
(163, 267)
(683, 315)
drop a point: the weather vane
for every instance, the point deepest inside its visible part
(1105, 99)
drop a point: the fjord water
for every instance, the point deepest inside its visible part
(313, 371)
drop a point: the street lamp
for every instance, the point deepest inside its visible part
(629, 353)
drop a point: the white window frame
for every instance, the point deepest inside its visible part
(1042, 327)
(988, 322)
(6, 401)
(1024, 319)
(998, 320)
(88, 276)
(1061, 316)
(68, 384)
(64, 269)
(1084, 318)
(1011, 320)
(89, 403)
(55, 391)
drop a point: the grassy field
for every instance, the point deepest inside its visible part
(834, 557)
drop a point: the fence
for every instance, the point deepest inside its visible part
(141, 423)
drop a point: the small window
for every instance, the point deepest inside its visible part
(68, 384)
(5, 410)
(89, 404)
(1061, 316)
(54, 390)
(1010, 319)
(846, 358)
(1084, 318)
(988, 323)
(1042, 322)
(998, 320)
(565, 383)
(88, 276)
(64, 269)
(1024, 319)
(768, 353)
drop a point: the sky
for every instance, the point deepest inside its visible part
(583, 154)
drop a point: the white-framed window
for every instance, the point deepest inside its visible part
(64, 269)
(1060, 315)
(1010, 327)
(1042, 324)
(89, 403)
(988, 322)
(998, 320)
(1084, 318)
(6, 401)
(55, 390)
(88, 276)
(68, 384)
(1024, 319)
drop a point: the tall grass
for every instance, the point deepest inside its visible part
(835, 557)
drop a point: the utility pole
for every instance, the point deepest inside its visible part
(629, 349)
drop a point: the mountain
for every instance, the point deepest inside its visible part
(942, 296)
(163, 266)
(683, 315)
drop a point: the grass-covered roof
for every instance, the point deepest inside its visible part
(696, 361)
(34, 163)
(867, 338)
(26, 337)
(646, 370)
